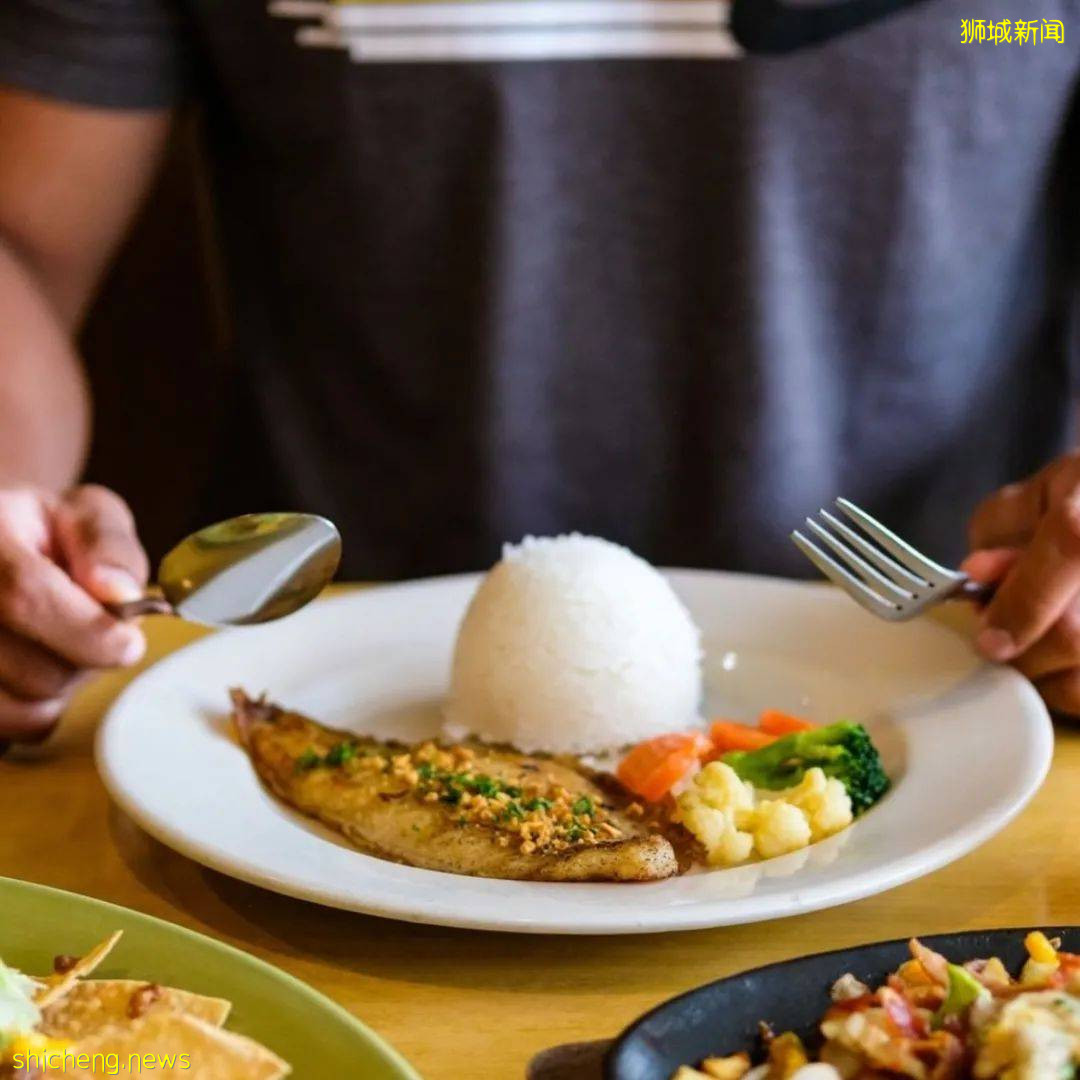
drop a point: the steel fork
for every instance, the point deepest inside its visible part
(878, 570)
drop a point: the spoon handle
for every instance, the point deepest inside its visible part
(152, 603)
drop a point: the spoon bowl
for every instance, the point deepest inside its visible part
(247, 570)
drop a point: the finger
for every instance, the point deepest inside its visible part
(1039, 588)
(39, 601)
(1056, 651)
(989, 565)
(1009, 517)
(97, 538)
(1061, 692)
(26, 516)
(27, 721)
(31, 672)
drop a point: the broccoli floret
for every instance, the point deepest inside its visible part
(842, 750)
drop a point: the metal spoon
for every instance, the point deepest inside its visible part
(243, 571)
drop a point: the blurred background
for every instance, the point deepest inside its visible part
(159, 365)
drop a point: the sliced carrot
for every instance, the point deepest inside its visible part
(655, 766)
(702, 743)
(727, 735)
(780, 723)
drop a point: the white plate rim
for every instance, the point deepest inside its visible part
(689, 917)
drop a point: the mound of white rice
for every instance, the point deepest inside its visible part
(572, 644)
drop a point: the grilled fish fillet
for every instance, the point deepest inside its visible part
(463, 810)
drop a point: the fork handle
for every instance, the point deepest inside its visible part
(977, 592)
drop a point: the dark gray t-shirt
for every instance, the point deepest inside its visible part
(508, 266)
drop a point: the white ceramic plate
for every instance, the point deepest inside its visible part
(966, 745)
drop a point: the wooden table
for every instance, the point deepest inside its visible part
(467, 1004)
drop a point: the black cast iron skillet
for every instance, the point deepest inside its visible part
(722, 1017)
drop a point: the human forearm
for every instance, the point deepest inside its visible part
(70, 180)
(64, 550)
(44, 402)
(71, 177)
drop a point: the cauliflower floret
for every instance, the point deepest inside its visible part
(719, 786)
(724, 844)
(735, 847)
(779, 828)
(807, 791)
(824, 800)
(732, 820)
(713, 808)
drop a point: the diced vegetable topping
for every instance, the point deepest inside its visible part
(964, 990)
(1039, 948)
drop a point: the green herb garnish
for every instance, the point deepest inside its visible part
(308, 760)
(481, 785)
(339, 754)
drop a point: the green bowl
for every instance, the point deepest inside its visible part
(318, 1038)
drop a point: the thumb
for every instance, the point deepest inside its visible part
(97, 538)
(989, 565)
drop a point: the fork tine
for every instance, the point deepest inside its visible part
(856, 589)
(914, 561)
(873, 577)
(896, 573)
